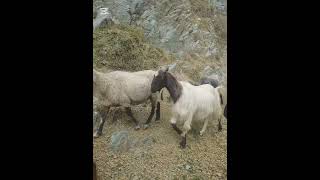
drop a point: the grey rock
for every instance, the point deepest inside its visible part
(148, 141)
(172, 67)
(103, 18)
(175, 28)
(170, 25)
(145, 126)
(120, 141)
(207, 71)
(188, 167)
(211, 73)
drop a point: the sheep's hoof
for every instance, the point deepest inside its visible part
(183, 145)
(220, 128)
(157, 120)
(96, 135)
(201, 133)
(145, 126)
(137, 127)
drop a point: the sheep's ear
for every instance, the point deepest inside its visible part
(167, 69)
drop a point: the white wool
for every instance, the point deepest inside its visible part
(122, 88)
(196, 103)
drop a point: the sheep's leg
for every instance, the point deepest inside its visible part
(173, 122)
(204, 126)
(103, 113)
(219, 124)
(176, 128)
(225, 111)
(186, 128)
(94, 171)
(158, 112)
(146, 125)
(183, 142)
(129, 113)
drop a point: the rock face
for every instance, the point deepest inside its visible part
(211, 73)
(103, 17)
(177, 26)
(194, 31)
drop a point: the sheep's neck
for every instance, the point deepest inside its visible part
(174, 87)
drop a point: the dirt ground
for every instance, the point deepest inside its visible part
(204, 158)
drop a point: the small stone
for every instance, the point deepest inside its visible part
(137, 127)
(120, 141)
(188, 167)
(145, 126)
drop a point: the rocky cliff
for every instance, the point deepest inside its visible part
(194, 31)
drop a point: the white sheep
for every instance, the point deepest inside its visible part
(215, 83)
(120, 88)
(190, 102)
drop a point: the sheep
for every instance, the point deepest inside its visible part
(161, 91)
(204, 80)
(211, 81)
(120, 88)
(225, 111)
(215, 83)
(189, 102)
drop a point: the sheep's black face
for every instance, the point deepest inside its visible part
(158, 81)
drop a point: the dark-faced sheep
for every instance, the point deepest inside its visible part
(120, 88)
(190, 102)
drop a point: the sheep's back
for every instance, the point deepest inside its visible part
(125, 88)
(137, 88)
(197, 100)
(202, 101)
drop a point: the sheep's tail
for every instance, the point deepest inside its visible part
(219, 88)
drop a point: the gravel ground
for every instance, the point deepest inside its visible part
(204, 158)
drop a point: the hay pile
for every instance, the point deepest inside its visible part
(121, 47)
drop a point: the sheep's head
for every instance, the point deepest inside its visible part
(159, 80)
